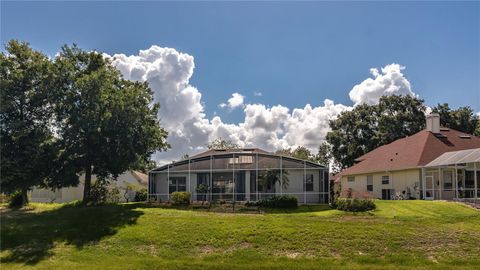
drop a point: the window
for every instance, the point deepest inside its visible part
(369, 182)
(447, 180)
(351, 179)
(309, 182)
(241, 160)
(177, 184)
(385, 180)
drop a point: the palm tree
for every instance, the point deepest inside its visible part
(271, 176)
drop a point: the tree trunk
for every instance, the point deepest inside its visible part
(88, 184)
(24, 196)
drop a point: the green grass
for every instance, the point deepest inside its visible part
(398, 235)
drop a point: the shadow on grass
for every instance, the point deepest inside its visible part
(29, 236)
(241, 209)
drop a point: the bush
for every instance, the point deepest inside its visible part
(355, 205)
(141, 195)
(15, 200)
(113, 195)
(98, 193)
(284, 201)
(250, 204)
(180, 198)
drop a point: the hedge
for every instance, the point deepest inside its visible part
(180, 198)
(283, 201)
(355, 205)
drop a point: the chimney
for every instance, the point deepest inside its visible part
(433, 122)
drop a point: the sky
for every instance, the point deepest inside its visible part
(266, 74)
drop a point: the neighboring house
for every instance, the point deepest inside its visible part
(405, 167)
(241, 175)
(130, 178)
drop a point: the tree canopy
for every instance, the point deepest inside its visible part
(461, 119)
(70, 115)
(367, 127)
(221, 143)
(301, 152)
(106, 123)
(29, 150)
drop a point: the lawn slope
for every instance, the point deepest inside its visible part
(399, 235)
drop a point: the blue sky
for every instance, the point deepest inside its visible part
(294, 53)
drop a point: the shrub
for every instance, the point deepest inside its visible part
(284, 201)
(249, 204)
(15, 200)
(141, 195)
(180, 198)
(113, 195)
(355, 205)
(98, 193)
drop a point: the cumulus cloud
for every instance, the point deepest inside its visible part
(168, 73)
(235, 101)
(388, 81)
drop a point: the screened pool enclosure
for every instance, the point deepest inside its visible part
(241, 175)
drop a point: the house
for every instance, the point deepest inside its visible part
(407, 167)
(248, 174)
(133, 179)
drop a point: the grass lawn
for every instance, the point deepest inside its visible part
(398, 235)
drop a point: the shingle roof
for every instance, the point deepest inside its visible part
(413, 151)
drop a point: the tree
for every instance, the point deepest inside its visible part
(477, 130)
(353, 134)
(221, 143)
(270, 177)
(203, 189)
(106, 124)
(324, 155)
(462, 119)
(301, 152)
(284, 152)
(144, 165)
(28, 149)
(367, 127)
(398, 117)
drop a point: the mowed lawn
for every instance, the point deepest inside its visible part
(399, 235)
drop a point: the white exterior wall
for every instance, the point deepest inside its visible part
(69, 194)
(399, 181)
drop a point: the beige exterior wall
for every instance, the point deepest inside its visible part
(76, 193)
(399, 181)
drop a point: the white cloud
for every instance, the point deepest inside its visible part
(182, 112)
(257, 94)
(234, 102)
(390, 81)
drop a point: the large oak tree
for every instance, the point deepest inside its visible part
(29, 152)
(461, 119)
(367, 127)
(106, 124)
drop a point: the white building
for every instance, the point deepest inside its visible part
(130, 178)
